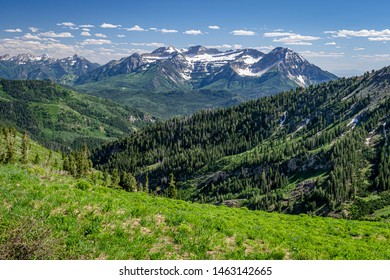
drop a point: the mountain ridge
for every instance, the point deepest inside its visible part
(198, 65)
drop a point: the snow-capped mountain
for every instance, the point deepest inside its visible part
(171, 69)
(199, 67)
(27, 66)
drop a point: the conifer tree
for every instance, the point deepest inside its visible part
(171, 191)
(25, 148)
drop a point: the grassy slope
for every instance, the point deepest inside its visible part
(47, 215)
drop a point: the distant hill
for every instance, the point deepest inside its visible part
(62, 118)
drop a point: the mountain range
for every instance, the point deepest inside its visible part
(44, 67)
(200, 67)
(194, 78)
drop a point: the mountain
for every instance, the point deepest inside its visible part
(177, 82)
(30, 67)
(321, 150)
(202, 67)
(62, 118)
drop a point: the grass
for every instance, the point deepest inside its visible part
(45, 214)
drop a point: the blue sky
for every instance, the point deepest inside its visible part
(344, 37)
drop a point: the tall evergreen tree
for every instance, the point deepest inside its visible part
(171, 191)
(25, 147)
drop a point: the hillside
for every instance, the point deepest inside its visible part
(62, 118)
(46, 214)
(320, 150)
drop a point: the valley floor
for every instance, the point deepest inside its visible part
(47, 214)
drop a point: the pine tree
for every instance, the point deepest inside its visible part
(25, 148)
(171, 191)
(10, 138)
(115, 179)
(37, 159)
(146, 187)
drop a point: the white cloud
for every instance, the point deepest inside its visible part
(359, 49)
(289, 38)
(330, 44)
(100, 35)
(86, 29)
(242, 33)
(193, 32)
(278, 34)
(135, 28)
(294, 38)
(121, 36)
(379, 39)
(96, 42)
(56, 35)
(33, 29)
(375, 57)
(153, 29)
(213, 26)
(168, 30)
(321, 54)
(371, 35)
(66, 24)
(17, 30)
(109, 25)
(265, 48)
(156, 45)
(55, 49)
(225, 46)
(29, 36)
(86, 26)
(360, 33)
(85, 33)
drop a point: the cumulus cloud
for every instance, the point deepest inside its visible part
(29, 36)
(16, 46)
(371, 35)
(96, 42)
(278, 34)
(135, 28)
(330, 44)
(321, 54)
(265, 48)
(153, 29)
(109, 25)
(33, 29)
(168, 30)
(66, 24)
(243, 33)
(17, 30)
(289, 38)
(376, 57)
(193, 32)
(121, 36)
(213, 26)
(225, 46)
(156, 45)
(56, 35)
(86, 29)
(85, 33)
(100, 35)
(86, 26)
